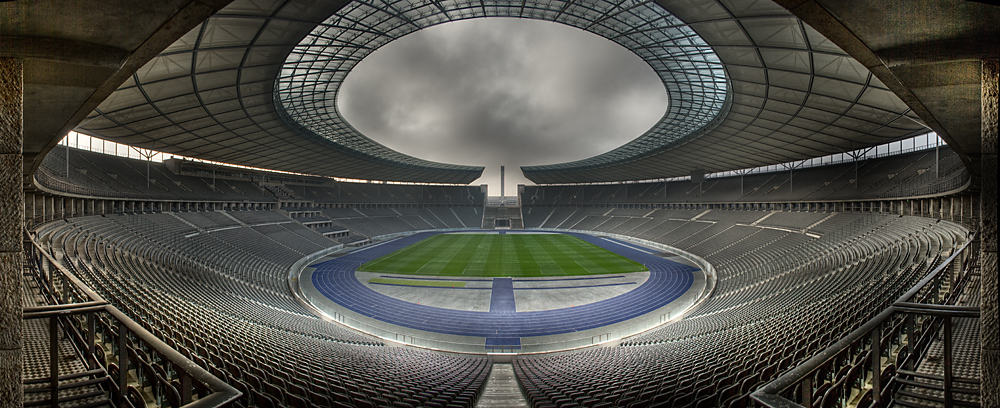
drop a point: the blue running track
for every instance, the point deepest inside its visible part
(335, 279)
(502, 297)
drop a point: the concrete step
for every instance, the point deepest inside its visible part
(501, 389)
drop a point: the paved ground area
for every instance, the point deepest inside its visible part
(474, 297)
(530, 294)
(538, 295)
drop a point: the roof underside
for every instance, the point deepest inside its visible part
(210, 95)
(71, 64)
(795, 95)
(787, 93)
(930, 53)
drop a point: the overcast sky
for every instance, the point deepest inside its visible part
(509, 92)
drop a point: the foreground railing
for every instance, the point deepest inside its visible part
(139, 371)
(878, 364)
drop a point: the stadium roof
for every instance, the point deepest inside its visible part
(782, 92)
(929, 53)
(76, 54)
(691, 72)
(794, 95)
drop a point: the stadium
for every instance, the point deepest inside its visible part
(811, 222)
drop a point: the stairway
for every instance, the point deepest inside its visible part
(502, 217)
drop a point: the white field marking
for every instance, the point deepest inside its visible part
(438, 264)
(421, 268)
(479, 272)
(586, 268)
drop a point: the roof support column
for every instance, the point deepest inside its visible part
(990, 323)
(11, 221)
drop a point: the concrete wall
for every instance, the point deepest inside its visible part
(11, 221)
(990, 323)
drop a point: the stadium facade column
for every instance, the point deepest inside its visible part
(990, 323)
(11, 221)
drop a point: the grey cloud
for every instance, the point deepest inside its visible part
(502, 92)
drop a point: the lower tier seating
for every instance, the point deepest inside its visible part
(221, 298)
(787, 286)
(781, 296)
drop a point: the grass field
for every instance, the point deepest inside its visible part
(508, 255)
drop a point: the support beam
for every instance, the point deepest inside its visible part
(990, 323)
(11, 220)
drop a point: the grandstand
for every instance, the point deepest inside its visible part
(229, 262)
(779, 279)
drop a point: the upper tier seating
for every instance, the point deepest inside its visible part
(904, 175)
(106, 176)
(101, 175)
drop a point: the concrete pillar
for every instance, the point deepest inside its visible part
(990, 331)
(11, 220)
(961, 210)
(966, 208)
(29, 207)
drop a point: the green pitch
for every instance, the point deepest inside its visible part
(508, 255)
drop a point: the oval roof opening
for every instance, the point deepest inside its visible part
(502, 91)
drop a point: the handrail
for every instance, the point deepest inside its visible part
(937, 310)
(937, 271)
(45, 308)
(223, 393)
(769, 394)
(72, 309)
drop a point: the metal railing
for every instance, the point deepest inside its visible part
(138, 361)
(878, 362)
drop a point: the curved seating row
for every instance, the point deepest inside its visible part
(217, 292)
(241, 322)
(781, 296)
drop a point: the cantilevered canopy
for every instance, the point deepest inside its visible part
(929, 52)
(75, 54)
(794, 94)
(211, 95)
(749, 84)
